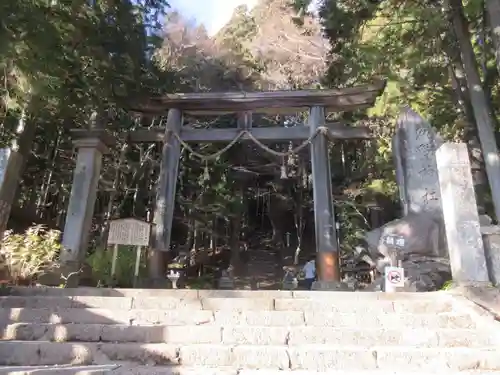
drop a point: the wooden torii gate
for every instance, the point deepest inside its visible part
(317, 102)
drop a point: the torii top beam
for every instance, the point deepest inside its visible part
(333, 100)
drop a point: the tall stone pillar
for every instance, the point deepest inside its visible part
(91, 146)
(326, 237)
(461, 219)
(10, 165)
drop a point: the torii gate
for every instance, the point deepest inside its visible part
(92, 143)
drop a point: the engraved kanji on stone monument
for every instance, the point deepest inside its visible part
(461, 219)
(129, 232)
(414, 148)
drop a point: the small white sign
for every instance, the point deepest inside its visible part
(393, 240)
(395, 277)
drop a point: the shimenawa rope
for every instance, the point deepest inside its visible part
(320, 130)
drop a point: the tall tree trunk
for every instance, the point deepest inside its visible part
(482, 111)
(42, 202)
(459, 83)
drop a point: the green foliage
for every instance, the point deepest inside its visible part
(353, 224)
(101, 259)
(448, 285)
(202, 282)
(64, 59)
(25, 256)
(380, 186)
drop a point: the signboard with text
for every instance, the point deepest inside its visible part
(129, 232)
(394, 240)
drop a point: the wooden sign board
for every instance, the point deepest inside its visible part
(129, 232)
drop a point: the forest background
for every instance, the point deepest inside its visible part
(60, 61)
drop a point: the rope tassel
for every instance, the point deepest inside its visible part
(206, 173)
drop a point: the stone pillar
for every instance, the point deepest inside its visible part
(165, 195)
(10, 164)
(91, 145)
(491, 240)
(326, 237)
(461, 219)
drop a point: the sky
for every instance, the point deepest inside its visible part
(214, 14)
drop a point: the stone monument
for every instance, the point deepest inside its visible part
(424, 254)
(425, 269)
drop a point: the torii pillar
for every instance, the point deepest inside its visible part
(327, 260)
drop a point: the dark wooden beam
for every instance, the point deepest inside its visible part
(333, 100)
(277, 134)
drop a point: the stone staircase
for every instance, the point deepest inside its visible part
(261, 271)
(166, 332)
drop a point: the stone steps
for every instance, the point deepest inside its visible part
(136, 317)
(205, 371)
(148, 370)
(66, 370)
(248, 335)
(181, 370)
(205, 293)
(354, 306)
(209, 332)
(304, 357)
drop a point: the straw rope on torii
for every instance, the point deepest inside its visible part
(320, 130)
